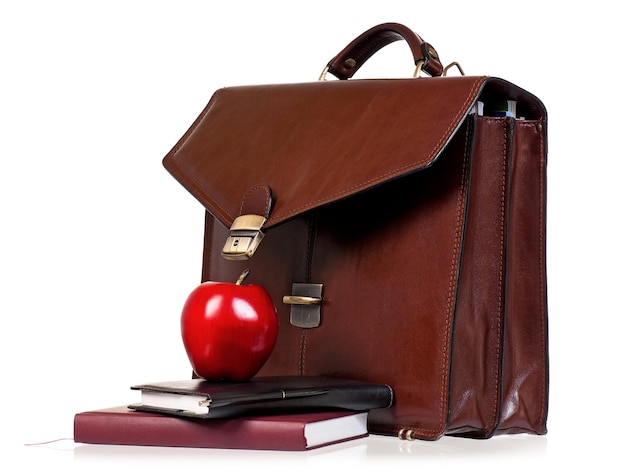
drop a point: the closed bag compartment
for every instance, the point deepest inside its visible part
(399, 226)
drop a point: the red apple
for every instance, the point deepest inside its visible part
(228, 330)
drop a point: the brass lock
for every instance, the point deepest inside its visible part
(245, 237)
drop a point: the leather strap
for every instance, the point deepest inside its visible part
(258, 200)
(353, 56)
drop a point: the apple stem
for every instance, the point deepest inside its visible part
(242, 277)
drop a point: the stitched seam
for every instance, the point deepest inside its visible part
(542, 269)
(195, 186)
(186, 177)
(195, 124)
(311, 236)
(496, 368)
(461, 203)
(461, 200)
(380, 42)
(302, 352)
(208, 232)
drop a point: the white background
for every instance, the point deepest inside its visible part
(100, 245)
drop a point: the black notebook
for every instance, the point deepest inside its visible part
(211, 399)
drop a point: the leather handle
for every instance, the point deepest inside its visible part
(353, 56)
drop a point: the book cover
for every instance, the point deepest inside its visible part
(285, 432)
(208, 399)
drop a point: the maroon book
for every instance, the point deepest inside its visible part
(289, 432)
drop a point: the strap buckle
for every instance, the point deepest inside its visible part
(306, 304)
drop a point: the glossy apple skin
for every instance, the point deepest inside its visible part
(228, 330)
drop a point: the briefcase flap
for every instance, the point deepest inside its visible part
(319, 142)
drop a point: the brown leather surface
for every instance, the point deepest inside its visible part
(479, 320)
(426, 228)
(383, 317)
(525, 371)
(257, 200)
(315, 143)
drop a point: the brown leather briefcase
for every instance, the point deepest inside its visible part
(398, 224)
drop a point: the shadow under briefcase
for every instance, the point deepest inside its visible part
(399, 226)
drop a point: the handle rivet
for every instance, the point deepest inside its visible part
(349, 63)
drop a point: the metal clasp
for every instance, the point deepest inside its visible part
(418, 68)
(306, 305)
(245, 237)
(323, 74)
(454, 64)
